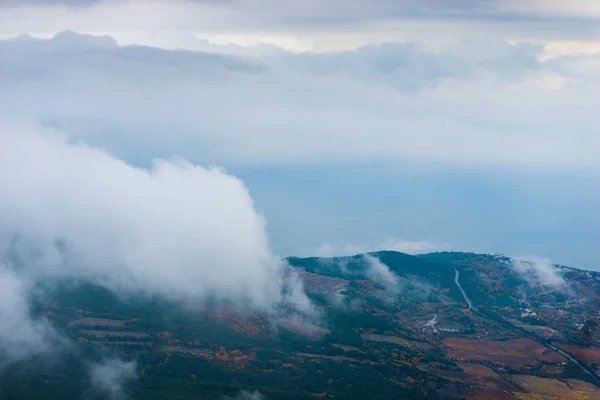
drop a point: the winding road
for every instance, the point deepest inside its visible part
(530, 335)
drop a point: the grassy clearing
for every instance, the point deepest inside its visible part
(411, 344)
(554, 389)
(117, 334)
(109, 323)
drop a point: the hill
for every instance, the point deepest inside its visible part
(387, 325)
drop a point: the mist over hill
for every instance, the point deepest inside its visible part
(382, 324)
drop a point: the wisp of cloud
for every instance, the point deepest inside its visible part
(110, 375)
(380, 273)
(537, 271)
(20, 335)
(247, 395)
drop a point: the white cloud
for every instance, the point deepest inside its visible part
(543, 80)
(247, 395)
(72, 211)
(337, 300)
(20, 334)
(110, 376)
(380, 273)
(328, 25)
(538, 271)
(560, 48)
(302, 326)
(284, 16)
(585, 9)
(177, 229)
(296, 295)
(69, 210)
(373, 104)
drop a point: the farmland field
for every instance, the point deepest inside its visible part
(206, 353)
(104, 334)
(586, 354)
(487, 383)
(554, 389)
(541, 331)
(396, 340)
(322, 284)
(517, 352)
(111, 323)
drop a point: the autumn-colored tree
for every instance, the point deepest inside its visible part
(590, 332)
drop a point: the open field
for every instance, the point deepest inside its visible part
(586, 354)
(490, 394)
(121, 343)
(332, 358)
(541, 331)
(117, 334)
(517, 352)
(471, 373)
(206, 353)
(487, 383)
(322, 284)
(345, 347)
(116, 344)
(411, 344)
(477, 393)
(109, 323)
(554, 389)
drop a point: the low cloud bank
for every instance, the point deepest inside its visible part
(69, 210)
(537, 271)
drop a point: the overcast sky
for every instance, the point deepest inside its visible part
(353, 125)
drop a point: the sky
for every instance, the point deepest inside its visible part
(285, 128)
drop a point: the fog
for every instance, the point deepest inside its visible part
(111, 374)
(69, 210)
(20, 335)
(176, 229)
(247, 395)
(537, 271)
(380, 273)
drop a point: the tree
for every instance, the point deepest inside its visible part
(589, 333)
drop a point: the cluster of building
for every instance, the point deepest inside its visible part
(527, 312)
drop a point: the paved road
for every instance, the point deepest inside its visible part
(469, 303)
(573, 359)
(529, 334)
